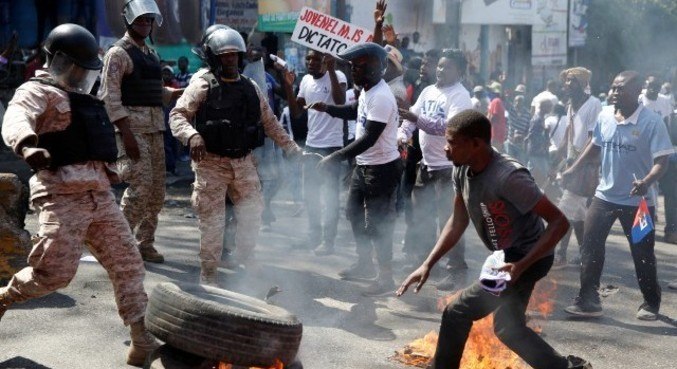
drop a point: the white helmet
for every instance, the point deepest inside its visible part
(136, 8)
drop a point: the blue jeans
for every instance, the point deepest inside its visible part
(600, 217)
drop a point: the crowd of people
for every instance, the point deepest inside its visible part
(526, 171)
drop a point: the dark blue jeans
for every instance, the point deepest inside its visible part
(669, 188)
(474, 303)
(600, 217)
(371, 209)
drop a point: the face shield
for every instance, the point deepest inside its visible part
(71, 76)
(136, 8)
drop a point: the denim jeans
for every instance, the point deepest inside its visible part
(474, 303)
(321, 191)
(371, 209)
(600, 217)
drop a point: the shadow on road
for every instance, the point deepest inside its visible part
(19, 362)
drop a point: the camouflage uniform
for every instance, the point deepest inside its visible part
(144, 198)
(76, 208)
(215, 175)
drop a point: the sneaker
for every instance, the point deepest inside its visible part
(446, 284)
(647, 313)
(380, 287)
(359, 271)
(673, 285)
(585, 309)
(324, 249)
(560, 262)
(151, 255)
(143, 344)
(4, 301)
(575, 362)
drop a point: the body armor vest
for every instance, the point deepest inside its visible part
(143, 87)
(89, 137)
(229, 121)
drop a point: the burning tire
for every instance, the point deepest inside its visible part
(222, 325)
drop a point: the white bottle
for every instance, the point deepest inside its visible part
(279, 61)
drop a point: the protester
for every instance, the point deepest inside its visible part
(550, 93)
(371, 198)
(325, 136)
(537, 143)
(634, 148)
(496, 116)
(435, 106)
(479, 99)
(518, 127)
(132, 89)
(47, 118)
(582, 112)
(489, 185)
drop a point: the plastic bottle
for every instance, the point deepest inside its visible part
(279, 61)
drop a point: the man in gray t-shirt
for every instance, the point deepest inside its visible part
(507, 208)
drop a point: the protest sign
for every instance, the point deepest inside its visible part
(327, 34)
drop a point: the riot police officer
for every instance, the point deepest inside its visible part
(132, 89)
(231, 117)
(65, 135)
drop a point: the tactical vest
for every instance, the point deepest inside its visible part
(89, 137)
(143, 87)
(229, 121)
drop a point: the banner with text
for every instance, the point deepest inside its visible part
(327, 34)
(281, 16)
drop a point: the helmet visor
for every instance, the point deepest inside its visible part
(137, 8)
(71, 76)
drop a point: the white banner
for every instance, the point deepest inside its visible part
(327, 34)
(498, 12)
(549, 34)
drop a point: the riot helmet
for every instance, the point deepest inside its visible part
(136, 8)
(224, 41)
(73, 57)
(200, 50)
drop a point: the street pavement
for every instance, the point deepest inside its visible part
(78, 327)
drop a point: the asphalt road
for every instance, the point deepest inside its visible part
(78, 327)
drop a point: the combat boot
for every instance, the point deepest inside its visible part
(384, 284)
(143, 344)
(209, 275)
(4, 301)
(151, 255)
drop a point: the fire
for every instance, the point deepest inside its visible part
(483, 350)
(278, 365)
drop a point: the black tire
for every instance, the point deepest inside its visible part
(222, 325)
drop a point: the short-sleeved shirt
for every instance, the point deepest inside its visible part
(500, 202)
(661, 106)
(378, 105)
(584, 121)
(323, 130)
(628, 148)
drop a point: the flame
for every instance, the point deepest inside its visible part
(483, 350)
(278, 365)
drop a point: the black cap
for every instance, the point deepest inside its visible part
(77, 43)
(368, 48)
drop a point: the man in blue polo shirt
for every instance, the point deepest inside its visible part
(634, 146)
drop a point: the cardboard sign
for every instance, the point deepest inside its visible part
(327, 34)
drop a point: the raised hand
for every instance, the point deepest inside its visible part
(380, 11)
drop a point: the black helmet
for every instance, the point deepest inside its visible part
(76, 42)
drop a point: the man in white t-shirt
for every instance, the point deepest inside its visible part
(654, 101)
(434, 107)
(550, 93)
(582, 112)
(372, 195)
(322, 84)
